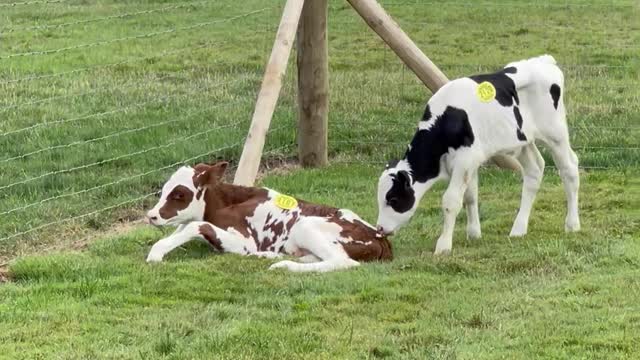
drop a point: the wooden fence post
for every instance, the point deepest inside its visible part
(269, 93)
(380, 22)
(313, 84)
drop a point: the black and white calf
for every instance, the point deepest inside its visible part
(470, 120)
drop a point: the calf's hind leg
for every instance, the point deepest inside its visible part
(471, 204)
(532, 172)
(567, 163)
(320, 239)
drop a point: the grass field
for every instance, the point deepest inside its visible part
(97, 109)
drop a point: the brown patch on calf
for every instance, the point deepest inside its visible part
(365, 243)
(307, 209)
(229, 206)
(209, 233)
(178, 199)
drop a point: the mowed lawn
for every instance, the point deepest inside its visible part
(548, 295)
(101, 101)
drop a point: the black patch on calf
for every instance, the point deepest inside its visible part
(427, 114)
(506, 92)
(519, 133)
(450, 130)
(401, 196)
(555, 94)
(516, 113)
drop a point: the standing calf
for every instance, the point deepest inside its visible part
(471, 120)
(261, 222)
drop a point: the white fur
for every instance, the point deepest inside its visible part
(315, 237)
(195, 210)
(495, 134)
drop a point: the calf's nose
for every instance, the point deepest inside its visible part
(149, 219)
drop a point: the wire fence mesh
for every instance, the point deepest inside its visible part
(601, 62)
(100, 103)
(93, 123)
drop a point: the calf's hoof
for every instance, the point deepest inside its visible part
(572, 226)
(517, 233)
(154, 258)
(473, 233)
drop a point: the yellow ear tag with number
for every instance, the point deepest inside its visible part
(285, 202)
(486, 92)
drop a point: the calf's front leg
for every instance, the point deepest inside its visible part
(451, 206)
(219, 239)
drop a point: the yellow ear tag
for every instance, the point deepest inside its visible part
(486, 92)
(285, 202)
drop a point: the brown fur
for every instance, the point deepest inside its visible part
(209, 234)
(228, 206)
(178, 199)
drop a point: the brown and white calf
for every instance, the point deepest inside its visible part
(261, 222)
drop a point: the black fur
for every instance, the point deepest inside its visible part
(506, 92)
(555, 94)
(427, 114)
(519, 133)
(450, 130)
(401, 196)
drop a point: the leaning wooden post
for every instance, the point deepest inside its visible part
(380, 22)
(269, 93)
(313, 84)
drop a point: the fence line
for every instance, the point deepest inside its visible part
(377, 142)
(408, 126)
(135, 37)
(104, 66)
(114, 134)
(564, 4)
(110, 112)
(119, 157)
(80, 94)
(32, 3)
(8, 30)
(73, 218)
(369, 162)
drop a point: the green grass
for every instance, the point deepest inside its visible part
(548, 295)
(110, 122)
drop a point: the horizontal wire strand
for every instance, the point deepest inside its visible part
(110, 112)
(106, 66)
(112, 135)
(9, 30)
(127, 38)
(36, 2)
(40, 227)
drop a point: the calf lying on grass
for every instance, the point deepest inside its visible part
(261, 222)
(470, 120)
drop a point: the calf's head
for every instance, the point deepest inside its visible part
(182, 198)
(396, 198)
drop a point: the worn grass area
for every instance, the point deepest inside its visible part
(548, 295)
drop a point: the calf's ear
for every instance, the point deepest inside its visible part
(209, 174)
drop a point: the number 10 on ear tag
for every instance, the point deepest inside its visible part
(486, 92)
(285, 202)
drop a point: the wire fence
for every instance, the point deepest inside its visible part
(601, 63)
(83, 140)
(98, 108)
